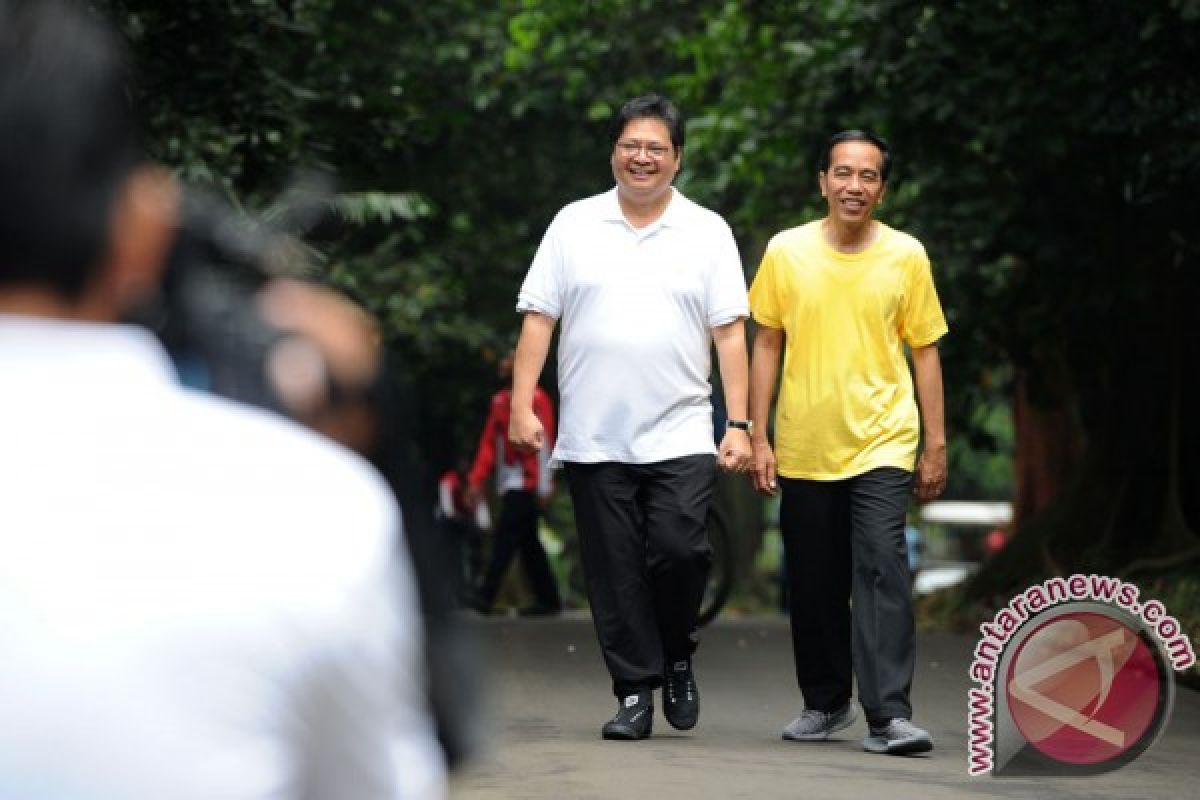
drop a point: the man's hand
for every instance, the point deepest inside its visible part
(930, 478)
(734, 454)
(764, 467)
(931, 473)
(472, 496)
(525, 431)
(335, 345)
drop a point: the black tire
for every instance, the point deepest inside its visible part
(720, 576)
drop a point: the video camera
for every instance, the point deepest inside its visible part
(207, 314)
(210, 320)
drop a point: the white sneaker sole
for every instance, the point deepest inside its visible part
(898, 747)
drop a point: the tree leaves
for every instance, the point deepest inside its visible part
(1044, 152)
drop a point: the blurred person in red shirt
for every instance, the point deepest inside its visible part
(524, 483)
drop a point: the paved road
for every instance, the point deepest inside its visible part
(549, 696)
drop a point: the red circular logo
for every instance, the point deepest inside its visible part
(1084, 688)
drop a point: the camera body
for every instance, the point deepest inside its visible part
(209, 318)
(207, 315)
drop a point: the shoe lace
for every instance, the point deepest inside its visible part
(812, 719)
(680, 681)
(897, 728)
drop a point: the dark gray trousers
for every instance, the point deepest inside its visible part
(645, 552)
(844, 541)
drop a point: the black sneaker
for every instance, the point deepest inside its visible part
(681, 698)
(634, 719)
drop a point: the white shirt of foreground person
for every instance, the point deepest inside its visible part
(197, 599)
(637, 309)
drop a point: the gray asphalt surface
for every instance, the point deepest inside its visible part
(549, 695)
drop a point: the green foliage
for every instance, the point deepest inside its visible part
(1179, 592)
(1044, 155)
(1052, 194)
(361, 208)
(223, 87)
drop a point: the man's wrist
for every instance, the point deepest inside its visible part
(744, 425)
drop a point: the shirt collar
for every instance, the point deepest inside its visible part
(674, 216)
(110, 353)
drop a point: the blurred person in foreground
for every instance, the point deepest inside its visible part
(839, 299)
(524, 483)
(198, 599)
(645, 283)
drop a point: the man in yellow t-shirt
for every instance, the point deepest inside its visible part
(839, 298)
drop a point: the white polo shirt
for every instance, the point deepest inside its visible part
(637, 308)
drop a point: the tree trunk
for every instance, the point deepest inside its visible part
(1106, 471)
(1048, 444)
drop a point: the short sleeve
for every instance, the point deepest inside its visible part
(361, 718)
(542, 290)
(921, 320)
(727, 281)
(765, 303)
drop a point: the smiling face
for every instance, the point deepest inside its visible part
(853, 185)
(645, 162)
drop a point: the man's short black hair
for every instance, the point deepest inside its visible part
(67, 142)
(654, 106)
(856, 135)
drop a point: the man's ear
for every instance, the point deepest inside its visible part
(821, 183)
(144, 220)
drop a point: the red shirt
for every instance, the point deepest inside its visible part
(513, 469)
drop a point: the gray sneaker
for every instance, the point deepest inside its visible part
(899, 737)
(815, 726)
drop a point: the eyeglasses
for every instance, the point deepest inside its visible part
(629, 149)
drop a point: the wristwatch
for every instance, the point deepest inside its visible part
(741, 424)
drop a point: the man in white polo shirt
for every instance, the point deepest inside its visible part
(645, 282)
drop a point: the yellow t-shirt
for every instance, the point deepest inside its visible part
(846, 401)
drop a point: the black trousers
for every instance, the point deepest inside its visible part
(464, 561)
(844, 540)
(517, 534)
(645, 553)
